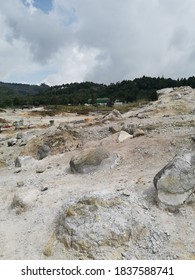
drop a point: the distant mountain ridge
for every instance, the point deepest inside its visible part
(126, 91)
(21, 89)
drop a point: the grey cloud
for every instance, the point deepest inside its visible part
(175, 6)
(121, 39)
(136, 37)
(125, 32)
(42, 33)
(180, 38)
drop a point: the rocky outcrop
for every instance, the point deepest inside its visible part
(53, 141)
(103, 222)
(20, 140)
(129, 128)
(164, 91)
(88, 160)
(113, 116)
(123, 135)
(115, 128)
(12, 142)
(171, 101)
(23, 139)
(175, 183)
(88, 223)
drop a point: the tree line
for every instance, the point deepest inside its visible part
(17, 95)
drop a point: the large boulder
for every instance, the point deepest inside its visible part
(24, 161)
(104, 225)
(43, 151)
(92, 222)
(175, 183)
(88, 160)
(164, 91)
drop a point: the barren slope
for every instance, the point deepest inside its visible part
(44, 186)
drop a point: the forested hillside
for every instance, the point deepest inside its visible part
(16, 95)
(12, 94)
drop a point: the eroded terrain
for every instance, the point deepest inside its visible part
(49, 212)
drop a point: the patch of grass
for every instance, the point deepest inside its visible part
(2, 121)
(150, 127)
(80, 109)
(2, 164)
(48, 248)
(53, 110)
(180, 108)
(18, 205)
(42, 113)
(189, 123)
(129, 106)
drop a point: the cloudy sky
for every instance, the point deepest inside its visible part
(63, 41)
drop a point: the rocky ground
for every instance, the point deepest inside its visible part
(105, 205)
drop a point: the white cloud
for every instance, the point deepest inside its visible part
(104, 41)
(30, 5)
(73, 64)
